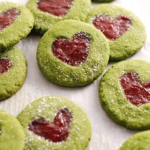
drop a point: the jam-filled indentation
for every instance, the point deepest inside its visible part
(56, 131)
(73, 52)
(136, 92)
(5, 65)
(7, 17)
(112, 28)
(55, 7)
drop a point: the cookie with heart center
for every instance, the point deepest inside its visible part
(74, 51)
(124, 93)
(55, 7)
(11, 132)
(136, 92)
(8, 17)
(112, 28)
(55, 123)
(56, 131)
(125, 32)
(72, 57)
(13, 70)
(47, 13)
(16, 22)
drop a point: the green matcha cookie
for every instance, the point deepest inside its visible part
(47, 13)
(16, 22)
(124, 30)
(72, 56)
(55, 123)
(139, 141)
(11, 133)
(124, 92)
(13, 71)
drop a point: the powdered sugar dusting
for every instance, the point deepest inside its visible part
(47, 107)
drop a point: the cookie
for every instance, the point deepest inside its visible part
(55, 123)
(11, 132)
(72, 57)
(16, 22)
(47, 13)
(125, 32)
(124, 93)
(13, 70)
(139, 141)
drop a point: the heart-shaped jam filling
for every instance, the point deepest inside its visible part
(112, 29)
(72, 52)
(136, 92)
(56, 131)
(5, 65)
(55, 7)
(8, 17)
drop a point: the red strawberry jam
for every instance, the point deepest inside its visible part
(8, 17)
(136, 92)
(5, 65)
(55, 7)
(72, 52)
(56, 131)
(112, 29)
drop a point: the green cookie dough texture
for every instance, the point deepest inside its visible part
(46, 108)
(12, 80)
(114, 101)
(139, 141)
(44, 21)
(131, 41)
(11, 133)
(63, 74)
(19, 29)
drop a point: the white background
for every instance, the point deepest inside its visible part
(106, 134)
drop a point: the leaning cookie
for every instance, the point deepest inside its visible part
(139, 141)
(125, 32)
(55, 123)
(11, 133)
(72, 53)
(47, 13)
(124, 93)
(16, 22)
(13, 71)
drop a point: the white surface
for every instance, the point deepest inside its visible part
(106, 134)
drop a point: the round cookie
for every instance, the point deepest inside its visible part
(46, 109)
(124, 93)
(47, 15)
(124, 30)
(16, 22)
(13, 70)
(11, 133)
(72, 56)
(139, 141)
